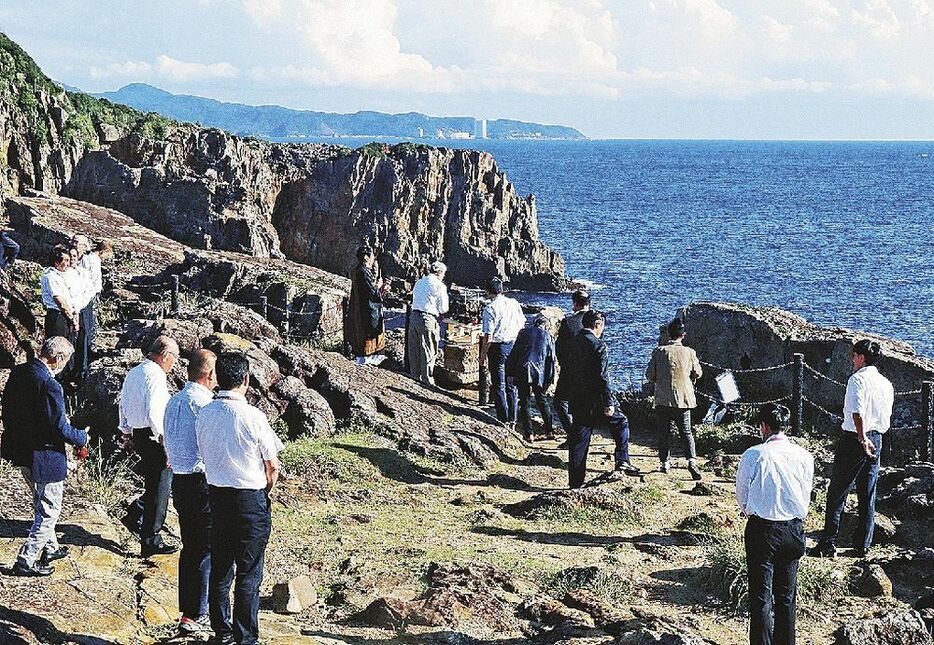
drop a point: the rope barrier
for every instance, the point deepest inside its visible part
(909, 393)
(830, 414)
(751, 404)
(751, 370)
(823, 376)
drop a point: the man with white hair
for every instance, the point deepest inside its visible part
(429, 303)
(36, 430)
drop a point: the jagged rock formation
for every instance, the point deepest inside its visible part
(740, 337)
(314, 203)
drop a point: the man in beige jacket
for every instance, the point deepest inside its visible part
(674, 369)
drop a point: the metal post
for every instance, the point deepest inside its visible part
(797, 393)
(174, 294)
(405, 346)
(264, 307)
(345, 312)
(927, 411)
(286, 313)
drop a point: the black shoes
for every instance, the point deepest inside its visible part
(37, 570)
(822, 550)
(695, 473)
(52, 556)
(164, 548)
(132, 524)
(628, 469)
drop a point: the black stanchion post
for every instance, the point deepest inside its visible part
(345, 312)
(797, 393)
(927, 405)
(286, 313)
(264, 307)
(405, 346)
(175, 294)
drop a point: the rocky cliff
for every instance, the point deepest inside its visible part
(313, 203)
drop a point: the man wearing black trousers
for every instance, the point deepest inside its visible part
(587, 388)
(567, 330)
(240, 451)
(143, 398)
(867, 414)
(773, 490)
(190, 490)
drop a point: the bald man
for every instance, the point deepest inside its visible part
(143, 398)
(190, 490)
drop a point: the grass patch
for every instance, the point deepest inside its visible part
(819, 582)
(106, 480)
(603, 583)
(730, 438)
(322, 461)
(613, 508)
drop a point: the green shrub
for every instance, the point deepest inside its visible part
(108, 481)
(731, 438)
(374, 149)
(603, 583)
(320, 460)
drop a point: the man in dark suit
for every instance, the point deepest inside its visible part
(35, 432)
(531, 368)
(586, 387)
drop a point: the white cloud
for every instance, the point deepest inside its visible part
(163, 68)
(879, 19)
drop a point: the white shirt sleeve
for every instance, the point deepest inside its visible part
(487, 320)
(744, 475)
(269, 444)
(158, 395)
(124, 425)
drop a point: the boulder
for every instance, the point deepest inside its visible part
(264, 371)
(870, 580)
(884, 532)
(598, 498)
(308, 413)
(898, 627)
(552, 612)
(187, 333)
(294, 596)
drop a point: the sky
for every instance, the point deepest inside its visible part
(744, 69)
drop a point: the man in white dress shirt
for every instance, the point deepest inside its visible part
(190, 490)
(90, 264)
(61, 317)
(773, 490)
(143, 398)
(502, 321)
(240, 453)
(867, 413)
(429, 303)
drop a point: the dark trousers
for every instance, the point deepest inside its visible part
(563, 410)
(56, 324)
(504, 395)
(680, 418)
(241, 523)
(87, 331)
(157, 485)
(772, 553)
(525, 392)
(852, 466)
(579, 445)
(190, 495)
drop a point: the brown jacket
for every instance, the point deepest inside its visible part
(674, 368)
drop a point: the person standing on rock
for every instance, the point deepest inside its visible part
(674, 369)
(587, 387)
(569, 328)
(867, 415)
(61, 317)
(241, 464)
(143, 398)
(79, 287)
(773, 490)
(365, 328)
(502, 320)
(36, 430)
(429, 303)
(190, 490)
(90, 263)
(531, 368)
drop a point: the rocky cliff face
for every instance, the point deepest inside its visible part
(417, 203)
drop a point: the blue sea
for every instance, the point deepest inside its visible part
(837, 232)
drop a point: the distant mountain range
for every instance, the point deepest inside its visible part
(273, 121)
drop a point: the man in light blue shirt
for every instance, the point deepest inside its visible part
(773, 490)
(190, 490)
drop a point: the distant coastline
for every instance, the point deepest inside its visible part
(284, 124)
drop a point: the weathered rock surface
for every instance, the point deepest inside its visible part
(740, 337)
(869, 580)
(294, 596)
(894, 628)
(598, 498)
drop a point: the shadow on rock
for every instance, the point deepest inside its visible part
(19, 627)
(72, 534)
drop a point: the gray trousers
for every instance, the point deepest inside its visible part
(47, 502)
(424, 336)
